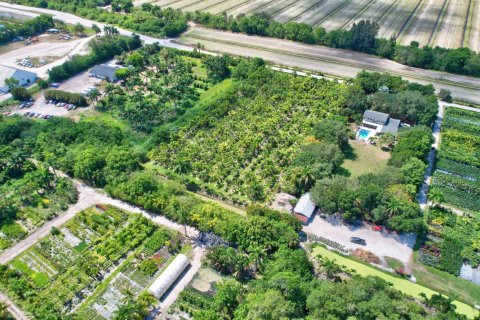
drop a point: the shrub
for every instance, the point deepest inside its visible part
(68, 97)
(21, 94)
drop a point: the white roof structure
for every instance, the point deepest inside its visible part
(305, 206)
(24, 77)
(169, 276)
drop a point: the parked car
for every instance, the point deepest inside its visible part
(27, 114)
(54, 85)
(358, 240)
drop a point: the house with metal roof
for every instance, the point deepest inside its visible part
(23, 77)
(104, 72)
(304, 209)
(380, 122)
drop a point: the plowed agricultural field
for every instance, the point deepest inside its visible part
(423, 25)
(341, 17)
(446, 23)
(474, 25)
(452, 30)
(375, 12)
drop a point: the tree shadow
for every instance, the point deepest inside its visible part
(349, 152)
(343, 172)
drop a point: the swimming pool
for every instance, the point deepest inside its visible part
(363, 134)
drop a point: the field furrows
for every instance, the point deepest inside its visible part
(341, 17)
(203, 5)
(235, 8)
(276, 6)
(393, 23)
(423, 24)
(297, 10)
(374, 13)
(451, 31)
(320, 12)
(165, 3)
(474, 36)
(183, 3)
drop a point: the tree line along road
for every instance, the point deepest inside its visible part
(336, 62)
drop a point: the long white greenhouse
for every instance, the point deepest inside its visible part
(169, 276)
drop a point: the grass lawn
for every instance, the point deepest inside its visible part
(400, 284)
(394, 263)
(455, 287)
(365, 158)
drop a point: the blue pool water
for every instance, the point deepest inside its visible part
(363, 134)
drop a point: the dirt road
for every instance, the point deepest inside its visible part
(12, 308)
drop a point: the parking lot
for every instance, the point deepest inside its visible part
(76, 84)
(382, 244)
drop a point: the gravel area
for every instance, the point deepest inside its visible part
(382, 244)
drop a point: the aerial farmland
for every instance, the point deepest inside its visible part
(445, 23)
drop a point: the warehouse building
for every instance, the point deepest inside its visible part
(23, 77)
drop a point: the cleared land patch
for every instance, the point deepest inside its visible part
(391, 25)
(319, 12)
(474, 34)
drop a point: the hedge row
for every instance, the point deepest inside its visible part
(68, 97)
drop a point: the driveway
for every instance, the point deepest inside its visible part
(381, 244)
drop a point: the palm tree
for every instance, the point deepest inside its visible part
(393, 207)
(330, 267)
(93, 96)
(256, 256)
(436, 196)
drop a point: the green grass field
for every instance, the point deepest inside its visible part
(405, 286)
(365, 158)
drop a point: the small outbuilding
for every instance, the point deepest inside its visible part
(104, 72)
(304, 209)
(23, 77)
(169, 276)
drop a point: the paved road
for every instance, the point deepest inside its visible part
(342, 63)
(72, 19)
(422, 195)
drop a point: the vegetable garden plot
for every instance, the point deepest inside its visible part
(338, 19)
(458, 166)
(293, 12)
(392, 23)
(374, 13)
(75, 275)
(423, 24)
(452, 29)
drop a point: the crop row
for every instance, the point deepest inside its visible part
(459, 169)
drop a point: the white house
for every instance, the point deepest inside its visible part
(380, 122)
(24, 77)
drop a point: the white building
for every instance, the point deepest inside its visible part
(380, 122)
(24, 77)
(169, 276)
